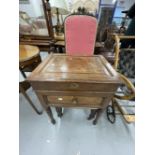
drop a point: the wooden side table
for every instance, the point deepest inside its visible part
(29, 58)
(74, 82)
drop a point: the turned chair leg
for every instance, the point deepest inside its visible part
(59, 111)
(50, 114)
(92, 114)
(98, 114)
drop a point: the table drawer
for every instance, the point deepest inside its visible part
(74, 86)
(75, 101)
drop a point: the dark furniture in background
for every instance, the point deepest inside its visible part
(39, 31)
(29, 58)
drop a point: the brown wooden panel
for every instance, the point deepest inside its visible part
(74, 81)
(94, 69)
(74, 86)
(72, 99)
(27, 52)
(75, 93)
(75, 101)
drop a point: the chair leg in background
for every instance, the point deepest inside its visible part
(59, 111)
(50, 114)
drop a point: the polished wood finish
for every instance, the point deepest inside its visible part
(29, 58)
(77, 82)
(43, 44)
(76, 101)
(27, 52)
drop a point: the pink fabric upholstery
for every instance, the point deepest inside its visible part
(80, 35)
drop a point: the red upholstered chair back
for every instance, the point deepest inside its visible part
(80, 35)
